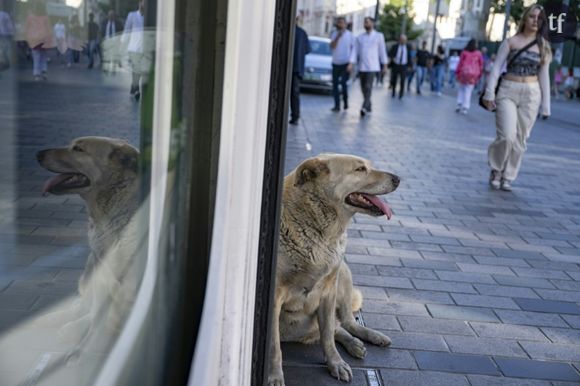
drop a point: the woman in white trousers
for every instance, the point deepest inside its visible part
(524, 91)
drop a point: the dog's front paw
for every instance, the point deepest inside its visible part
(276, 379)
(341, 370)
(356, 348)
(379, 339)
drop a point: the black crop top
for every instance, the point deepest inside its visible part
(526, 64)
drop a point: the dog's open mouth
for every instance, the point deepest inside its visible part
(63, 182)
(369, 202)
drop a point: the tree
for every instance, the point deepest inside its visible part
(391, 20)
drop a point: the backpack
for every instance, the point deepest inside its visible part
(470, 71)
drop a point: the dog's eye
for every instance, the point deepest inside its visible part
(361, 169)
(77, 148)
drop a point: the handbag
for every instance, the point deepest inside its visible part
(482, 94)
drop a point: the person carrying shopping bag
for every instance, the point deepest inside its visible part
(524, 91)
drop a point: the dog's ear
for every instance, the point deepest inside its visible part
(309, 170)
(127, 156)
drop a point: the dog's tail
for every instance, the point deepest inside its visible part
(356, 300)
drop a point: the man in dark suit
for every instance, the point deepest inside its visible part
(301, 48)
(110, 28)
(400, 61)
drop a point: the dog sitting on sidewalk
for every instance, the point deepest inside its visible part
(314, 296)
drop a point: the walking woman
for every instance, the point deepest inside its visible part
(439, 62)
(524, 90)
(468, 72)
(39, 38)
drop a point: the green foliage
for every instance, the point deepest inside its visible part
(391, 19)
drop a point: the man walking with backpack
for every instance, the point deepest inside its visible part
(468, 72)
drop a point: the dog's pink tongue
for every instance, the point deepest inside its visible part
(53, 181)
(383, 206)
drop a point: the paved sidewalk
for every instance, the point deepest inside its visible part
(474, 286)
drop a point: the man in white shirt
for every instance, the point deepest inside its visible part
(341, 43)
(400, 61)
(133, 33)
(368, 52)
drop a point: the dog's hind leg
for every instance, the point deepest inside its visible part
(353, 345)
(348, 301)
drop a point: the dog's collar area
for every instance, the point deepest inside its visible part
(369, 202)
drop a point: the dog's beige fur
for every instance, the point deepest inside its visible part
(314, 297)
(105, 172)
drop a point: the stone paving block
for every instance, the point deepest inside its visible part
(435, 240)
(572, 320)
(455, 363)
(363, 269)
(381, 322)
(518, 254)
(356, 249)
(13, 299)
(394, 308)
(565, 296)
(486, 380)
(549, 306)
(530, 318)
(569, 251)
(462, 313)
(446, 286)
(295, 375)
(434, 326)
(523, 368)
(430, 264)
(478, 268)
(374, 260)
(378, 293)
(416, 296)
(484, 346)
(458, 258)
(381, 357)
(508, 331)
(551, 351)
(562, 335)
(407, 272)
(541, 273)
(498, 290)
(558, 236)
(385, 236)
(416, 246)
(483, 244)
(419, 378)
(454, 232)
(523, 281)
(365, 242)
(484, 301)
(467, 277)
(417, 341)
(353, 234)
(468, 250)
(568, 285)
(572, 269)
(393, 252)
(382, 281)
(563, 258)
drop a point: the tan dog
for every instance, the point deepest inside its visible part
(313, 284)
(104, 172)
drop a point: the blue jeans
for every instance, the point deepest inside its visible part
(437, 78)
(452, 78)
(93, 48)
(339, 76)
(421, 71)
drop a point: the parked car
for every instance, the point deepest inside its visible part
(318, 65)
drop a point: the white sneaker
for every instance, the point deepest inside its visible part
(506, 185)
(495, 179)
(464, 111)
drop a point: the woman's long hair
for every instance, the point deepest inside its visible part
(542, 34)
(471, 45)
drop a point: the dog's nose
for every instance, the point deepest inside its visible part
(40, 155)
(395, 180)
